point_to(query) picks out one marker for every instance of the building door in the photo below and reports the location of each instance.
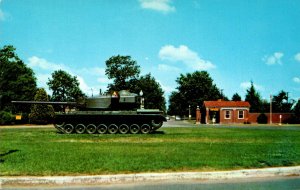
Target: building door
(214, 116)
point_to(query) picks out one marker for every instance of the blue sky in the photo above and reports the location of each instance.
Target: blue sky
(236, 41)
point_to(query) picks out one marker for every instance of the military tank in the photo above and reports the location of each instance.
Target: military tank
(120, 112)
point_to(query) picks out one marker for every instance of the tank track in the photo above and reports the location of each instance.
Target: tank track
(111, 128)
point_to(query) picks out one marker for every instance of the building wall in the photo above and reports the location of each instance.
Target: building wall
(275, 117)
(234, 116)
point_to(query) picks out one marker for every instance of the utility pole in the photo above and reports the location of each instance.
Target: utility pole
(271, 97)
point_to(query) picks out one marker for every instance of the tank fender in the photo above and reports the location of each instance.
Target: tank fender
(156, 124)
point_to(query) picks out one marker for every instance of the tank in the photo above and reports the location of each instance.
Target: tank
(119, 112)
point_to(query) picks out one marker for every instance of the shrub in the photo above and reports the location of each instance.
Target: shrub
(262, 118)
(5, 118)
(41, 114)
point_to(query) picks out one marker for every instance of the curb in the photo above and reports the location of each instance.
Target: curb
(149, 177)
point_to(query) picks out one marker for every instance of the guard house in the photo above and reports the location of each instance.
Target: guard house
(224, 112)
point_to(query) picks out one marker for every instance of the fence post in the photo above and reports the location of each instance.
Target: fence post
(198, 115)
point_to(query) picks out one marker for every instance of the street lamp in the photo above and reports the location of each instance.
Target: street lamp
(142, 99)
(190, 112)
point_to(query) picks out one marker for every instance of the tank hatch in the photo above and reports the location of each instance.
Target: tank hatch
(127, 97)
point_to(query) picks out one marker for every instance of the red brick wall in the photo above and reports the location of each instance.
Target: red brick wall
(234, 116)
(275, 117)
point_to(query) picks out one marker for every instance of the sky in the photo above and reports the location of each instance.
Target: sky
(235, 41)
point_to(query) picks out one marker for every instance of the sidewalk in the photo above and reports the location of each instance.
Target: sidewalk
(148, 177)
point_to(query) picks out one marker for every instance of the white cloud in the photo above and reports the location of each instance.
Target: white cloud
(247, 85)
(166, 89)
(42, 80)
(82, 84)
(43, 69)
(297, 57)
(95, 71)
(2, 15)
(88, 89)
(158, 5)
(35, 61)
(296, 79)
(273, 59)
(168, 68)
(185, 55)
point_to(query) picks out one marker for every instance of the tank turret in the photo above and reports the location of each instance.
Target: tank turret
(122, 100)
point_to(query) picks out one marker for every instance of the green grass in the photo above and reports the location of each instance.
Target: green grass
(46, 152)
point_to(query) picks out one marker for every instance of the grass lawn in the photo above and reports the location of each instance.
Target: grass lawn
(41, 151)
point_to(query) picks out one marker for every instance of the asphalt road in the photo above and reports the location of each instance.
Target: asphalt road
(186, 123)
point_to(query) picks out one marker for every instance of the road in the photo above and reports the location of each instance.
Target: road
(286, 183)
(186, 123)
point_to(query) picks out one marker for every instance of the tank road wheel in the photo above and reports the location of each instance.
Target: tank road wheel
(80, 128)
(156, 124)
(112, 128)
(60, 127)
(91, 128)
(134, 129)
(123, 129)
(145, 129)
(68, 128)
(102, 129)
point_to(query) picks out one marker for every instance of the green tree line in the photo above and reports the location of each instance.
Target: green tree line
(18, 82)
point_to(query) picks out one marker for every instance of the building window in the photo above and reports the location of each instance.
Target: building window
(241, 114)
(227, 114)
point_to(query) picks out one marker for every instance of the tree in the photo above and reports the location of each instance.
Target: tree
(193, 89)
(64, 87)
(152, 92)
(280, 103)
(17, 81)
(236, 97)
(123, 70)
(253, 97)
(41, 113)
(262, 118)
(295, 119)
(174, 107)
(296, 109)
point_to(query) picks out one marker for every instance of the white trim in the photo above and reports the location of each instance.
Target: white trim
(230, 113)
(234, 108)
(239, 114)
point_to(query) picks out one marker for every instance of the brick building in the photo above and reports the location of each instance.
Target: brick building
(223, 112)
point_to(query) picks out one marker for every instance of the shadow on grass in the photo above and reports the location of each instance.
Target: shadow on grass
(154, 132)
(7, 153)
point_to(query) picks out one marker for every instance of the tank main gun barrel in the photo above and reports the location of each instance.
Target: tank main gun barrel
(44, 102)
